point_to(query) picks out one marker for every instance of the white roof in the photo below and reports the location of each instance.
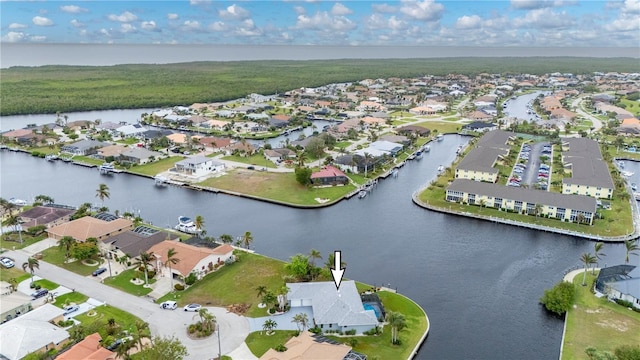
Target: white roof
(386, 145)
(371, 151)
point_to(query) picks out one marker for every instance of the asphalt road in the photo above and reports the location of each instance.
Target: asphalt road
(233, 328)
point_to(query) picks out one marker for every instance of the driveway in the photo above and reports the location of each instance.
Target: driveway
(233, 328)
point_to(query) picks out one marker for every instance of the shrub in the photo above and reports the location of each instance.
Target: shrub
(280, 348)
(559, 298)
(350, 332)
(353, 342)
(190, 279)
(178, 287)
(316, 330)
(151, 274)
(230, 260)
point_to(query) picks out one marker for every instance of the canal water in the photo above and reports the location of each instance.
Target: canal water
(478, 281)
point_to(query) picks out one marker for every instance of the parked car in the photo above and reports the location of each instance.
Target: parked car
(39, 293)
(6, 262)
(251, 167)
(70, 309)
(99, 271)
(192, 307)
(169, 305)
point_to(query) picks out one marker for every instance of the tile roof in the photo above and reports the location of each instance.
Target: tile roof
(189, 255)
(88, 349)
(305, 347)
(132, 243)
(328, 171)
(87, 227)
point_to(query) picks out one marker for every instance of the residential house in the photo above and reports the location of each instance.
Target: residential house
(198, 166)
(312, 347)
(422, 110)
(89, 227)
(479, 163)
(191, 258)
(620, 282)
(48, 215)
(389, 147)
(571, 208)
(88, 349)
(215, 124)
(332, 310)
(479, 126)
(131, 130)
(630, 126)
(139, 155)
(33, 332)
(177, 138)
(13, 303)
(413, 129)
(17, 134)
(589, 172)
(110, 152)
(79, 125)
(214, 143)
(329, 175)
(156, 133)
(399, 139)
(132, 243)
(479, 116)
(83, 147)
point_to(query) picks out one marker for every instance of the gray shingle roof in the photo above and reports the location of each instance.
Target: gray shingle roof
(490, 146)
(586, 162)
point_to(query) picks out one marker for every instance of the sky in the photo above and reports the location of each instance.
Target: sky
(529, 23)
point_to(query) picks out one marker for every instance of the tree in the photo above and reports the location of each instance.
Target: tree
(269, 325)
(43, 199)
(247, 239)
(559, 298)
(207, 319)
(14, 220)
(164, 348)
(269, 298)
(397, 322)
(31, 264)
(631, 247)
(301, 157)
(314, 255)
(282, 297)
(102, 192)
(66, 244)
(587, 259)
(141, 332)
(301, 320)
(144, 259)
(226, 238)
(171, 260)
(199, 223)
(261, 289)
(597, 248)
(303, 175)
(84, 250)
(298, 266)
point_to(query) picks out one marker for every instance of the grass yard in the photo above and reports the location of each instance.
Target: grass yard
(440, 127)
(12, 273)
(10, 241)
(125, 320)
(123, 282)
(281, 187)
(55, 256)
(44, 283)
(88, 160)
(598, 323)
(70, 298)
(156, 167)
(259, 342)
(256, 159)
(234, 284)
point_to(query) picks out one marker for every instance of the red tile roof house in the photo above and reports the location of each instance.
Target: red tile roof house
(88, 349)
(329, 176)
(191, 258)
(89, 227)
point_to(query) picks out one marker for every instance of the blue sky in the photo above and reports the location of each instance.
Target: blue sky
(529, 23)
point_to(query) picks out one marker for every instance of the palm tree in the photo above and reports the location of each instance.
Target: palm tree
(43, 199)
(587, 259)
(141, 332)
(313, 255)
(397, 322)
(226, 238)
(301, 157)
(367, 159)
(301, 320)
(537, 209)
(14, 220)
(597, 248)
(261, 289)
(269, 325)
(247, 239)
(268, 298)
(199, 223)
(171, 260)
(102, 192)
(31, 264)
(207, 319)
(145, 259)
(631, 248)
(66, 243)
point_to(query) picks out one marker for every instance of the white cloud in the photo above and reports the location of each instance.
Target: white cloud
(234, 12)
(42, 21)
(544, 19)
(13, 36)
(299, 10)
(218, 26)
(539, 4)
(468, 22)
(105, 32)
(624, 23)
(384, 8)
(148, 25)
(199, 2)
(248, 28)
(17, 26)
(127, 28)
(172, 16)
(73, 9)
(189, 25)
(631, 7)
(77, 23)
(38, 38)
(340, 10)
(323, 21)
(426, 10)
(125, 17)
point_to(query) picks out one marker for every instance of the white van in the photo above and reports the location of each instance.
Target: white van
(169, 305)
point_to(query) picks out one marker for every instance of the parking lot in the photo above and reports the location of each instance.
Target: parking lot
(530, 171)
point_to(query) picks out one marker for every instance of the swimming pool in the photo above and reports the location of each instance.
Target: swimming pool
(372, 306)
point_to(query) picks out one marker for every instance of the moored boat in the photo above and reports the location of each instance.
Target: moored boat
(427, 148)
(362, 194)
(419, 155)
(160, 181)
(18, 202)
(186, 225)
(106, 169)
(440, 137)
(440, 169)
(51, 157)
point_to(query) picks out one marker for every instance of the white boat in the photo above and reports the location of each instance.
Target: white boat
(634, 187)
(51, 157)
(186, 225)
(440, 137)
(427, 148)
(621, 164)
(440, 169)
(106, 169)
(17, 202)
(636, 196)
(160, 181)
(459, 150)
(626, 173)
(419, 155)
(362, 194)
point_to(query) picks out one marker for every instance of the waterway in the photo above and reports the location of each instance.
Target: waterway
(478, 281)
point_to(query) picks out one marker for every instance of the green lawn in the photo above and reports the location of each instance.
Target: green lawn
(598, 323)
(234, 284)
(44, 283)
(256, 159)
(123, 282)
(56, 257)
(156, 167)
(12, 273)
(72, 297)
(11, 240)
(631, 106)
(259, 342)
(125, 320)
(88, 160)
(440, 127)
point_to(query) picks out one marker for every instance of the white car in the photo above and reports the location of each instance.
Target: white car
(169, 305)
(192, 307)
(6, 262)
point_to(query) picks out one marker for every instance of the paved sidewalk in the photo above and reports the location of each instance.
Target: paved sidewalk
(40, 246)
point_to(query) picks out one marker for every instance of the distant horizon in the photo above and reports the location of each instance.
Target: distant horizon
(29, 54)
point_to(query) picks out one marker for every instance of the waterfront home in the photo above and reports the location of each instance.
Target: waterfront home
(17, 134)
(590, 173)
(620, 282)
(110, 151)
(13, 303)
(132, 243)
(399, 139)
(629, 126)
(389, 147)
(309, 346)
(33, 332)
(130, 130)
(215, 124)
(83, 147)
(479, 163)
(479, 116)
(212, 143)
(138, 155)
(243, 147)
(47, 215)
(413, 129)
(480, 126)
(573, 208)
(329, 175)
(88, 349)
(198, 166)
(332, 310)
(177, 138)
(199, 260)
(156, 133)
(89, 227)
